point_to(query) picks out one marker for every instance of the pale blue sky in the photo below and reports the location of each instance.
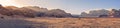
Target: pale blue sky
(70, 6)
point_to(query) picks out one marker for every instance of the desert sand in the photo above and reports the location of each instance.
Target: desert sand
(47, 22)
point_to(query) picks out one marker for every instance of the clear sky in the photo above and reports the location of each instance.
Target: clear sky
(70, 6)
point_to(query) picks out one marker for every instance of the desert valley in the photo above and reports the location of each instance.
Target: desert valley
(36, 17)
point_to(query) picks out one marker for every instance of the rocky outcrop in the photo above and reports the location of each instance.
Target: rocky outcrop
(11, 7)
(26, 12)
(11, 11)
(36, 8)
(44, 12)
(57, 13)
(39, 12)
(102, 13)
(5, 11)
(114, 13)
(95, 13)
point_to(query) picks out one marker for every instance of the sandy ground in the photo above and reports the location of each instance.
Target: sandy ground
(76, 22)
(42, 22)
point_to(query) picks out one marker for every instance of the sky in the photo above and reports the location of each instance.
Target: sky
(70, 6)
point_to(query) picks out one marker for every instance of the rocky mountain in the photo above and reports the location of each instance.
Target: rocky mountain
(36, 8)
(114, 13)
(95, 13)
(32, 11)
(57, 13)
(11, 7)
(5, 11)
(102, 13)
(44, 12)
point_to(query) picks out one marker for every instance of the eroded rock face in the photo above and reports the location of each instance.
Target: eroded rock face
(57, 13)
(44, 12)
(114, 13)
(32, 11)
(11, 7)
(36, 8)
(102, 13)
(39, 12)
(95, 13)
(11, 11)
(5, 11)
(26, 12)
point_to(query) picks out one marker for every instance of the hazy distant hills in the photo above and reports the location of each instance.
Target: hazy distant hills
(102, 13)
(95, 13)
(32, 11)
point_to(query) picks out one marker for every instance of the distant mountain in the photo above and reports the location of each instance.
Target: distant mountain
(36, 8)
(95, 13)
(102, 13)
(11, 7)
(57, 13)
(114, 13)
(44, 12)
(33, 11)
(5, 11)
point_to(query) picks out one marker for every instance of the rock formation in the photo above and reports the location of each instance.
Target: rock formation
(36, 8)
(114, 13)
(95, 13)
(5, 11)
(32, 11)
(57, 13)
